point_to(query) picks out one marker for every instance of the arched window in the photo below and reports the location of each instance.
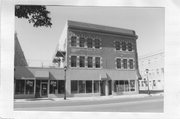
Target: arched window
(129, 46)
(97, 43)
(117, 45)
(81, 42)
(89, 43)
(123, 46)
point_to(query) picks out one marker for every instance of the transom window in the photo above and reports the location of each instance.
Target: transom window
(89, 43)
(73, 61)
(73, 40)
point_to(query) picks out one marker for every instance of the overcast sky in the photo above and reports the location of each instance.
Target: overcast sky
(40, 43)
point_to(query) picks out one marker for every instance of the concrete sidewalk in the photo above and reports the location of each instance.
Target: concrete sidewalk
(87, 98)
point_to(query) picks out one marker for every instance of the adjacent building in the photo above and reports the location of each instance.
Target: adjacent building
(155, 65)
(90, 60)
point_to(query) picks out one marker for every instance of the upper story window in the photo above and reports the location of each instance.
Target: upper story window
(118, 63)
(97, 62)
(73, 40)
(97, 43)
(81, 61)
(129, 46)
(73, 61)
(124, 46)
(89, 43)
(81, 42)
(125, 63)
(90, 62)
(131, 64)
(117, 45)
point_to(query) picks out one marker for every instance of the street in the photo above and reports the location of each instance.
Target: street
(142, 104)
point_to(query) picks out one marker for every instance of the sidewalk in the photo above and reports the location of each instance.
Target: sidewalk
(87, 98)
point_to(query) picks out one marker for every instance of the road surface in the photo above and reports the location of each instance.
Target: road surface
(143, 104)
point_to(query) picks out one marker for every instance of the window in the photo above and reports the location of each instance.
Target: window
(89, 43)
(82, 87)
(81, 42)
(73, 61)
(20, 84)
(118, 63)
(162, 70)
(157, 70)
(88, 86)
(97, 62)
(96, 86)
(115, 86)
(154, 83)
(131, 63)
(129, 47)
(125, 63)
(73, 41)
(82, 61)
(53, 87)
(74, 86)
(117, 45)
(29, 86)
(97, 43)
(90, 62)
(123, 46)
(126, 85)
(121, 86)
(132, 85)
(61, 87)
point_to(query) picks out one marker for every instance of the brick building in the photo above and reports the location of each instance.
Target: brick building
(99, 60)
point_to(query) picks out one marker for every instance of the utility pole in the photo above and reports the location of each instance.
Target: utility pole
(147, 70)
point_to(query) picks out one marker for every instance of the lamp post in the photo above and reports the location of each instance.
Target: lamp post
(147, 70)
(65, 69)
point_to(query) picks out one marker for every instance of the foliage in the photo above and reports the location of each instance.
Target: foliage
(36, 14)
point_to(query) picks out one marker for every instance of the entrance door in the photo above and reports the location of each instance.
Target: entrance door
(44, 89)
(103, 84)
(110, 87)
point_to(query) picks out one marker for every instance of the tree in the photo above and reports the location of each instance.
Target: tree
(36, 14)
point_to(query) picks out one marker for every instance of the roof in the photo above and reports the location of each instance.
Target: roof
(101, 28)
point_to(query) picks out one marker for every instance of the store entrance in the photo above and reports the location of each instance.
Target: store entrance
(44, 89)
(106, 88)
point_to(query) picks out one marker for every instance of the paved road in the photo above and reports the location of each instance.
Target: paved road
(145, 104)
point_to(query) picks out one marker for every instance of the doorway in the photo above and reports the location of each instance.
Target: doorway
(44, 89)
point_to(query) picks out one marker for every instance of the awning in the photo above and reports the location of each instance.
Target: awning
(42, 74)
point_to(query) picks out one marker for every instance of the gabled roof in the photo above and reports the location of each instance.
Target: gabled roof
(100, 28)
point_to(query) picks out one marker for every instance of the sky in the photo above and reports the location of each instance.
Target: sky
(39, 43)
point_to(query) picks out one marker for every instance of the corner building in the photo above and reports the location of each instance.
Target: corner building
(100, 60)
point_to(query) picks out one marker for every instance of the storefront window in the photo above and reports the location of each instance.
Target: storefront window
(82, 87)
(115, 86)
(74, 86)
(29, 86)
(121, 86)
(126, 85)
(53, 87)
(81, 42)
(61, 87)
(132, 85)
(88, 86)
(20, 87)
(96, 86)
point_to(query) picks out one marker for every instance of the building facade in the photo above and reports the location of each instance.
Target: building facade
(90, 60)
(155, 65)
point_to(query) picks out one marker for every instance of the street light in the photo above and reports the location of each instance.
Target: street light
(147, 70)
(65, 69)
